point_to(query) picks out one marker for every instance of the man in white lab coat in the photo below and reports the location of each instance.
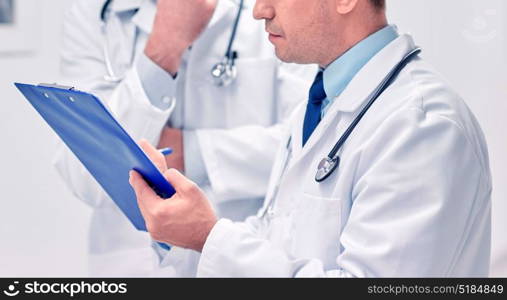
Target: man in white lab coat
(151, 62)
(411, 195)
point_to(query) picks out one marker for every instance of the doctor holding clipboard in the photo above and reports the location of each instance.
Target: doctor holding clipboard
(384, 172)
(116, 49)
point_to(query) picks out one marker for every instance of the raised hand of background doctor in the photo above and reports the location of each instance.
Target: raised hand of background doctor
(184, 220)
(177, 25)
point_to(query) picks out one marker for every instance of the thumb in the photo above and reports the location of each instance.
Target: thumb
(181, 184)
(146, 197)
(154, 155)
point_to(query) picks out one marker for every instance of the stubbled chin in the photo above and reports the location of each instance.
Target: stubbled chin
(282, 55)
(288, 57)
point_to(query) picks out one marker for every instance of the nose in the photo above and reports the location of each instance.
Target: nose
(263, 10)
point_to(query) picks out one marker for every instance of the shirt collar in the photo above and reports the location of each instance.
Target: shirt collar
(340, 72)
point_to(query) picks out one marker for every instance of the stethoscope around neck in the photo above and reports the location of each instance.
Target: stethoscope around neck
(111, 75)
(223, 73)
(329, 164)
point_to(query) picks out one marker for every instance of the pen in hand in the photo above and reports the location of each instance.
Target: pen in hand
(166, 151)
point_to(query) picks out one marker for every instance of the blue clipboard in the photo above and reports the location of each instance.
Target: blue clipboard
(99, 142)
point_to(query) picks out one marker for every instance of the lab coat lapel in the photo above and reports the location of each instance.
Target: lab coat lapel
(145, 16)
(355, 95)
(297, 133)
(125, 5)
(224, 7)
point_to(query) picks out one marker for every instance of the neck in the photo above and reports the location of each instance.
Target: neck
(351, 36)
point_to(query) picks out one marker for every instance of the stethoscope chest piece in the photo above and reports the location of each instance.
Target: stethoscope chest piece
(329, 164)
(326, 167)
(223, 73)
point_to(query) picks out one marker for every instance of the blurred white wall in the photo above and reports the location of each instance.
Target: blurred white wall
(467, 42)
(43, 229)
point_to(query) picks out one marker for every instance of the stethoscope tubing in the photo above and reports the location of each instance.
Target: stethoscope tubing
(375, 95)
(229, 56)
(331, 163)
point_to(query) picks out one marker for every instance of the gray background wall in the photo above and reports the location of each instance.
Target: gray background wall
(43, 228)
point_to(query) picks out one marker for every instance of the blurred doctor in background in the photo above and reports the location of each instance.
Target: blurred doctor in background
(196, 75)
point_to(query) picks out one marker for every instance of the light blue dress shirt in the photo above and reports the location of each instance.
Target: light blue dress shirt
(340, 72)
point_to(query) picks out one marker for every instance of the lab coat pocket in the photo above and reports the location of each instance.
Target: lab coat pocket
(316, 227)
(253, 95)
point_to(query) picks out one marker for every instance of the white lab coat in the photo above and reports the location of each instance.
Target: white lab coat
(410, 198)
(237, 127)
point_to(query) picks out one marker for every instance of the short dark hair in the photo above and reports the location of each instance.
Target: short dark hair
(378, 4)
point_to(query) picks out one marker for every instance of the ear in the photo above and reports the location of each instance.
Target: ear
(344, 7)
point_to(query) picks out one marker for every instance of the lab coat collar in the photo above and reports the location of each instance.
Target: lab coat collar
(369, 77)
(341, 71)
(145, 15)
(361, 87)
(126, 5)
(225, 7)
(148, 8)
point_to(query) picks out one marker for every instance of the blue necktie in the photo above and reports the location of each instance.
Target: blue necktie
(314, 107)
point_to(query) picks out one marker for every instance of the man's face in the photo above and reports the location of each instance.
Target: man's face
(299, 29)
